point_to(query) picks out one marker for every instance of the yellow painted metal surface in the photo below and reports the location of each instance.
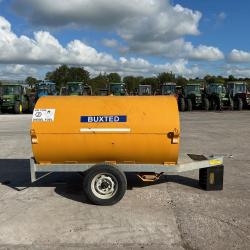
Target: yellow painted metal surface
(149, 135)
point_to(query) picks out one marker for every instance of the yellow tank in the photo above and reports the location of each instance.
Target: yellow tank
(117, 129)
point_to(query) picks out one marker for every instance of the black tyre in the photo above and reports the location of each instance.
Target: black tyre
(219, 106)
(189, 105)
(104, 185)
(31, 106)
(231, 104)
(181, 104)
(18, 108)
(206, 104)
(240, 104)
(214, 105)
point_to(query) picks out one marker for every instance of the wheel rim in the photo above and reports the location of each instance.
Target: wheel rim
(104, 186)
(20, 108)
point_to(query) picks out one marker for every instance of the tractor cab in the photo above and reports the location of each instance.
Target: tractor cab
(238, 92)
(216, 88)
(236, 88)
(145, 90)
(87, 90)
(74, 88)
(168, 88)
(219, 97)
(117, 89)
(45, 88)
(192, 89)
(14, 98)
(194, 97)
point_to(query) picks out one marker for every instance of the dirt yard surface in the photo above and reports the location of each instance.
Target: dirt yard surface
(171, 214)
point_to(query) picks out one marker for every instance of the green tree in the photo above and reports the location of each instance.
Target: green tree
(114, 77)
(153, 81)
(231, 78)
(220, 79)
(65, 74)
(99, 82)
(166, 77)
(31, 81)
(60, 76)
(132, 83)
(181, 81)
(210, 79)
(77, 74)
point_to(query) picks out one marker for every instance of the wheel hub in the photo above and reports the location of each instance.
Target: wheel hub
(104, 186)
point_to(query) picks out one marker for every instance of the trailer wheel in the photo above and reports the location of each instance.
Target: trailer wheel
(240, 104)
(104, 185)
(206, 104)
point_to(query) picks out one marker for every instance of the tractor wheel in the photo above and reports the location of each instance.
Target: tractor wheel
(240, 104)
(31, 106)
(18, 108)
(215, 105)
(206, 104)
(219, 105)
(231, 104)
(104, 185)
(181, 104)
(189, 105)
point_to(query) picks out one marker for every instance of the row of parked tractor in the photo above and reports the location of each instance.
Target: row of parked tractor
(214, 96)
(21, 98)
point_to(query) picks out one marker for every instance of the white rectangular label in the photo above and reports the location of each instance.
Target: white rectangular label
(105, 130)
(43, 115)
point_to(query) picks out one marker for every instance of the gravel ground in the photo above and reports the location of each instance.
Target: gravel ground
(171, 214)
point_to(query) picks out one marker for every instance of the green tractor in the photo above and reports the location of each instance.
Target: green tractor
(170, 88)
(113, 88)
(194, 98)
(240, 95)
(76, 88)
(218, 97)
(15, 98)
(117, 89)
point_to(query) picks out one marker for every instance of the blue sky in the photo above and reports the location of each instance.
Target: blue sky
(223, 23)
(137, 37)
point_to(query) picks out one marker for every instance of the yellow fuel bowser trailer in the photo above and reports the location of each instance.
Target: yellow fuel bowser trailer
(107, 136)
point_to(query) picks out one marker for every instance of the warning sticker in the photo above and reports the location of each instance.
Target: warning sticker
(43, 115)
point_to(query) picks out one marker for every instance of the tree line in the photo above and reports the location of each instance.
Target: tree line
(64, 74)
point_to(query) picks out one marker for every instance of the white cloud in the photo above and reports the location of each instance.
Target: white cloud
(110, 43)
(180, 67)
(16, 72)
(46, 49)
(236, 70)
(239, 56)
(23, 56)
(147, 26)
(222, 16)
(179, 48)
(205, 52)
(141, 67)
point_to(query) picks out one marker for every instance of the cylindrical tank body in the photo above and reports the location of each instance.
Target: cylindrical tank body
(93, 129)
